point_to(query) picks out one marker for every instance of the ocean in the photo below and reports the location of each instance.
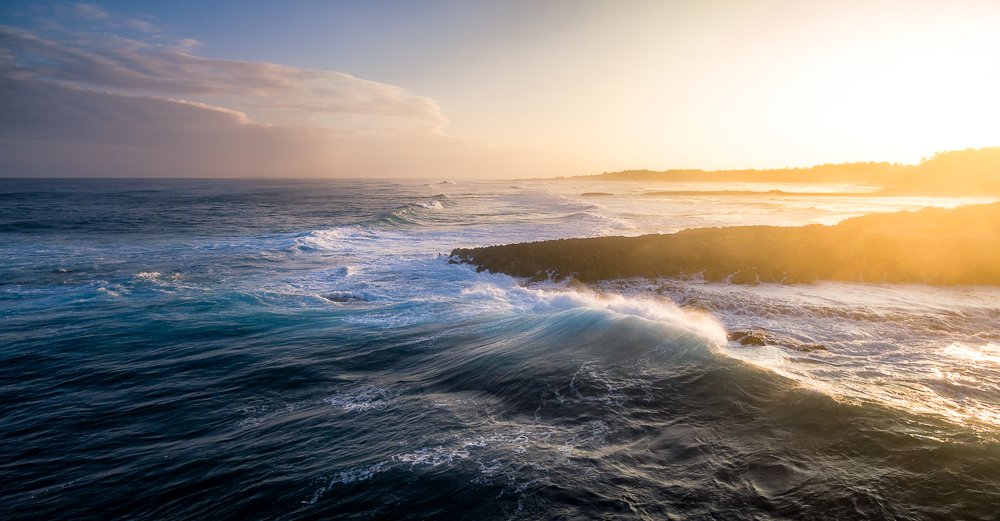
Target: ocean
(240, 349)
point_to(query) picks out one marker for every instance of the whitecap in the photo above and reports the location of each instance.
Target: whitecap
(985, 353)
(327, 239)
(117, 292)
(366, 398)
(554, 298)
(430, 205)
(432, 456)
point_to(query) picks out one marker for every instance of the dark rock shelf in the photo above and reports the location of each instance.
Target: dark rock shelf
(931, 246)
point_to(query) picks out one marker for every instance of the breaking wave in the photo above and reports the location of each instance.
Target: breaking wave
(304, 350)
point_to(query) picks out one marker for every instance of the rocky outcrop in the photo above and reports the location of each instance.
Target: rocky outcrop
(931, 246)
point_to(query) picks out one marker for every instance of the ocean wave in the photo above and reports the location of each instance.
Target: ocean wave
(157, 277)
(868, 305)
(529, 300)
(112, 290)
(327, 357)
(935, 356)
(980, 354)
(366, 398)
(408, 215)
(329, 238)
(429, 205)
(515, 456)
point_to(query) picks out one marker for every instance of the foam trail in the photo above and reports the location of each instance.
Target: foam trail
(526, 300)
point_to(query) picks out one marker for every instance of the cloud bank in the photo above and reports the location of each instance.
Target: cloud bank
(78, 103)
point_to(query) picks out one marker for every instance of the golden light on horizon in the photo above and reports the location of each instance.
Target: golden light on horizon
(862, 84)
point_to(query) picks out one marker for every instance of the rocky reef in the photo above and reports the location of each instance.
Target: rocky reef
(930, 246)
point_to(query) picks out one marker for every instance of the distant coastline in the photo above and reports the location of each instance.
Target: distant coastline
(970, 171)
(773, 193)
(932, 246)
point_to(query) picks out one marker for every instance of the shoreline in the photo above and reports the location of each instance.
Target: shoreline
(932, 246)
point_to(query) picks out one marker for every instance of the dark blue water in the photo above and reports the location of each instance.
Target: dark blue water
(303, 350)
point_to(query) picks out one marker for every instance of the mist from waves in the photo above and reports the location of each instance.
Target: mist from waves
(303, 350)
(918, 349)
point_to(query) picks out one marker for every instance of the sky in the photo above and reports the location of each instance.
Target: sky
(443, 89)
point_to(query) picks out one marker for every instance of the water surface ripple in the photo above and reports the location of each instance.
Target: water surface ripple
(303, 350)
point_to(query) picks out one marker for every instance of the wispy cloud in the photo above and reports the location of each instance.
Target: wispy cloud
(97, 103)
(282, 92)
(90, 12)
(99, 16)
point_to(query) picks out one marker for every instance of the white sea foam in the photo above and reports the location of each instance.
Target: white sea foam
(348, 476)
(116, 292)
(890, 345)
(157, 277)
(534, 300)
(829, 337)
(366, 398)
(330, 238)
(433, 456)
(430, 205)
(985, 353)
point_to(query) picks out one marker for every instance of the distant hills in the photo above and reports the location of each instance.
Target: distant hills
(959, 172)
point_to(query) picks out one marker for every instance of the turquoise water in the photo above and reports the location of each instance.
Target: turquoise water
(303, 350)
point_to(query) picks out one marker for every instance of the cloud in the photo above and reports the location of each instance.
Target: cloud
(140, 25)
(50, 129)
(276, 92)
(59, 131)
(90, 12)
(96, 15)
(84, 104)
(104, 106)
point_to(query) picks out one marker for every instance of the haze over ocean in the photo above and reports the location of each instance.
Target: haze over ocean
(191, 349)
